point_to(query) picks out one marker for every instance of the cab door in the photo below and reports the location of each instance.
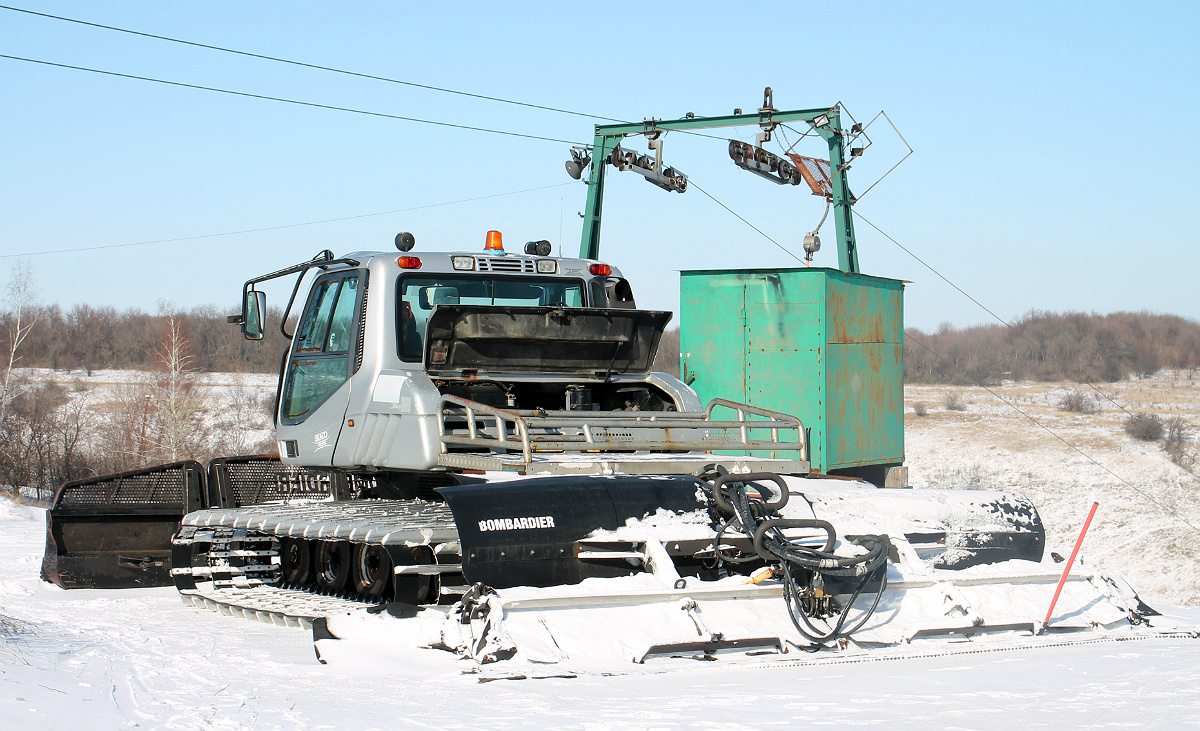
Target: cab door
(324, 355)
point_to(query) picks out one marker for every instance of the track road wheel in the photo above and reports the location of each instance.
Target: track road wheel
(333, 565)
(295, 561)
(372, 570)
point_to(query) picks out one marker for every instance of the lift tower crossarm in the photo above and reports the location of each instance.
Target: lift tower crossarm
(825, 121)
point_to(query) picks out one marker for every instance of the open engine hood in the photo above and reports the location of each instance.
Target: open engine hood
(582, 341)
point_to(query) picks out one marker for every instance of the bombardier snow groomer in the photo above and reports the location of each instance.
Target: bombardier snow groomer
(480, 435)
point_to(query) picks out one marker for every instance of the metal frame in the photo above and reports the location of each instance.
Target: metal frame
(539, 431)
(825, 121)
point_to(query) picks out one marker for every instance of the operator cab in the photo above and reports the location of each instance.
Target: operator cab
(381, 307)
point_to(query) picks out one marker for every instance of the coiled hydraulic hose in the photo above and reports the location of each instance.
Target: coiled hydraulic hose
(758, 519)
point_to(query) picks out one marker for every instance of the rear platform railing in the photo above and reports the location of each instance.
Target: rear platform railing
(464, 423)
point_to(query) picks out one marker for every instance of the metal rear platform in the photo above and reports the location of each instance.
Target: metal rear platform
(475, 436)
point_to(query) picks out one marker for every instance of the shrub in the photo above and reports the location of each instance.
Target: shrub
(954, 402)
(1175, 433)
(919, 409)
(1144, 427)
(1077, 401)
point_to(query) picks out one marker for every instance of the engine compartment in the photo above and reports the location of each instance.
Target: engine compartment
(560, 395)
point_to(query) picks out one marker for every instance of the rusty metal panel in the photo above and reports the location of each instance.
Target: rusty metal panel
(712, 336)
(784, 358)
(820, 344)
(865, 418)
(862, 312)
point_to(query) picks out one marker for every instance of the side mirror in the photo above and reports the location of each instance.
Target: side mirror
(254, 308)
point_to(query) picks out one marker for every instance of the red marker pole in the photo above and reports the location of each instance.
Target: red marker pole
(1070, 563)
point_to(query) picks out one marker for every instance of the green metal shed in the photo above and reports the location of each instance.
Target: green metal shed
(821, 344)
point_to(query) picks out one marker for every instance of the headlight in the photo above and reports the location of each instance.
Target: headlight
(464, 262)
(547, 266)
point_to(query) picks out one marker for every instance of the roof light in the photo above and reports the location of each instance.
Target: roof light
(463, 262)
(547, 266)
(600, 270)
(538, 248)
(409, 262)
(494, 242)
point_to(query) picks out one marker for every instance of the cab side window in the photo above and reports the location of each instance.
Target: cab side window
(320, 361)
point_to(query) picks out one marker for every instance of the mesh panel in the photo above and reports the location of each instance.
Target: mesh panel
(362, 328)
(159, 486)
(427, 483)
(256, 480)
(259, 480)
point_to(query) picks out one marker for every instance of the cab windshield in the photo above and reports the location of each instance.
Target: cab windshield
(417, 296)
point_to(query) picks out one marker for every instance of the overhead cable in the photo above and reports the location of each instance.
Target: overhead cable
(282, 226)
(292, 101)
(1054, 434)
(1041, 349)
(692, 182)
(303, 64)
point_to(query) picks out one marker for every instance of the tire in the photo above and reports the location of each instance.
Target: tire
(295, 561)
(372, 570)
(332, 566)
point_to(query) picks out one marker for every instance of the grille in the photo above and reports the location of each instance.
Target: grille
(428, 482)
(362, 329)
(166, 485)
(498, 264)
(256, 480)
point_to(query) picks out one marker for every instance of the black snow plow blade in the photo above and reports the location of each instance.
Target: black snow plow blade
(561, 530)
(525, 532)
(114, 531)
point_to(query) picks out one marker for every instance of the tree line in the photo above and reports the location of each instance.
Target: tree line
(1041, 346)
(90, 338)
(1047, 346)
(55, 428)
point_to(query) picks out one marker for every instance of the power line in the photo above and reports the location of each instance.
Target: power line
(1054, 434)
(331, 69)
(1002, 321)
(291, 101)
(693, 184)
(282, 226)
(303, 64)
(989, 390)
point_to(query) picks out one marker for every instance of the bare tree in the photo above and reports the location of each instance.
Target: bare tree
(177, 391)
(25, 313)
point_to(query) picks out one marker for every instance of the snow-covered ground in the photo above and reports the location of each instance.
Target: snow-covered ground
(1146, 527)
(140, 658)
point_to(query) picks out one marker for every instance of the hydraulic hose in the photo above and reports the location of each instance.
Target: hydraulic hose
(803, 567)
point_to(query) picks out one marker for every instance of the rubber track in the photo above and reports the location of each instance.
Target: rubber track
(369, 521)
(381, 522)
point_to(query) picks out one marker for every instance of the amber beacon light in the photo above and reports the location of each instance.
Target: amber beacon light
(494, 242)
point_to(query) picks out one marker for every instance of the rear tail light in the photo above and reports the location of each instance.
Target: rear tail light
(409, 262)
(600, 270)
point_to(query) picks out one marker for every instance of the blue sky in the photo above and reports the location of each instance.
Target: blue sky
(1055, 165)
